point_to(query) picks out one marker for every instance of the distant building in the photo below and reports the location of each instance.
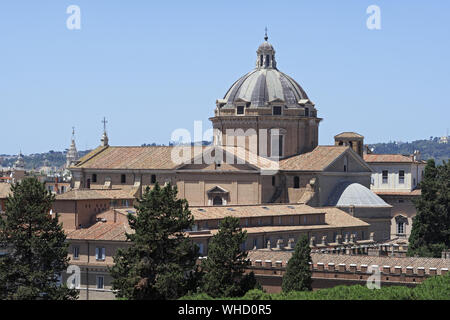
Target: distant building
(396, 180)
(72, 153)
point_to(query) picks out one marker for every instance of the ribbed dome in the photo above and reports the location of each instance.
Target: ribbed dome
(348, 194)
(263, 85)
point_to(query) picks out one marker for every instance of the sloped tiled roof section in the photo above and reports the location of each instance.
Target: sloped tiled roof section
(160, 157)
(348, 135)
(317, 160)
(129, 158)
(391, 158)
(98, 194)
(102, 231)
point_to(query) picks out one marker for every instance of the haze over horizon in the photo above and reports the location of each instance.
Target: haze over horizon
(150, 69)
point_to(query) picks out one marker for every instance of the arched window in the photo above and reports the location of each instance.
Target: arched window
(217, 201)
(296, 182)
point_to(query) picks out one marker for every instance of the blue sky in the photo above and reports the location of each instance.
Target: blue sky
(152, 67)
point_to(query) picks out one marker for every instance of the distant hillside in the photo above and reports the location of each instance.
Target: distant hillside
(428, 148)
(34, 161)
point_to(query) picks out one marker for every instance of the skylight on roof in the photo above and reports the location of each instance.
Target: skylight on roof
(201, 210)
(231, 209)
(291, 207)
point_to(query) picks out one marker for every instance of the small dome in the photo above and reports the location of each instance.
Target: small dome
(265, 46)
(347, 194)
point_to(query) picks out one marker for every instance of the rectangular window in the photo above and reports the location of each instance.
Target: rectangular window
(76, 253)
(153, 179)
(99, 253)
(306, 112)
(400, 228)
(296, 182)
(240, 110)
(401, 177)
(276, 111)
(385, 176)
(280, 145)
(200, 248)
(123, 178)
(94, 178)
(273, 180)
(255, 243)
(100, 282)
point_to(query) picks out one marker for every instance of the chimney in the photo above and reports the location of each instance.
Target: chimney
(324, 240)
(291, 243)
(416, 155)
(280, 244)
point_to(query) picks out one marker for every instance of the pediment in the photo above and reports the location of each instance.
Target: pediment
(217, 189)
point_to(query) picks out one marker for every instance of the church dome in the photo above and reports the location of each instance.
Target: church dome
(347, 194)
(265, 84)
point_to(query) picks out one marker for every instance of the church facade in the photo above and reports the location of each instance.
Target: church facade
(265, 151)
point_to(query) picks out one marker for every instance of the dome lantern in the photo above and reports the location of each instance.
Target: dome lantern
(265, 55)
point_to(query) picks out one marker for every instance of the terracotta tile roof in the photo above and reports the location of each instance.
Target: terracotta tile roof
(97, 194)
(5, 190)
(241, 211)
(334, 217)
(106, 231)
(317, 160)
(348, 135)
(372, 158)
(284, 255)
(129, 158)
(416, 192)
(159, 157)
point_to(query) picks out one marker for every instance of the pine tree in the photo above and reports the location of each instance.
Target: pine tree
(35, 246)
(226, 262)
(298, 272)
(161, 261)
(430, 233)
